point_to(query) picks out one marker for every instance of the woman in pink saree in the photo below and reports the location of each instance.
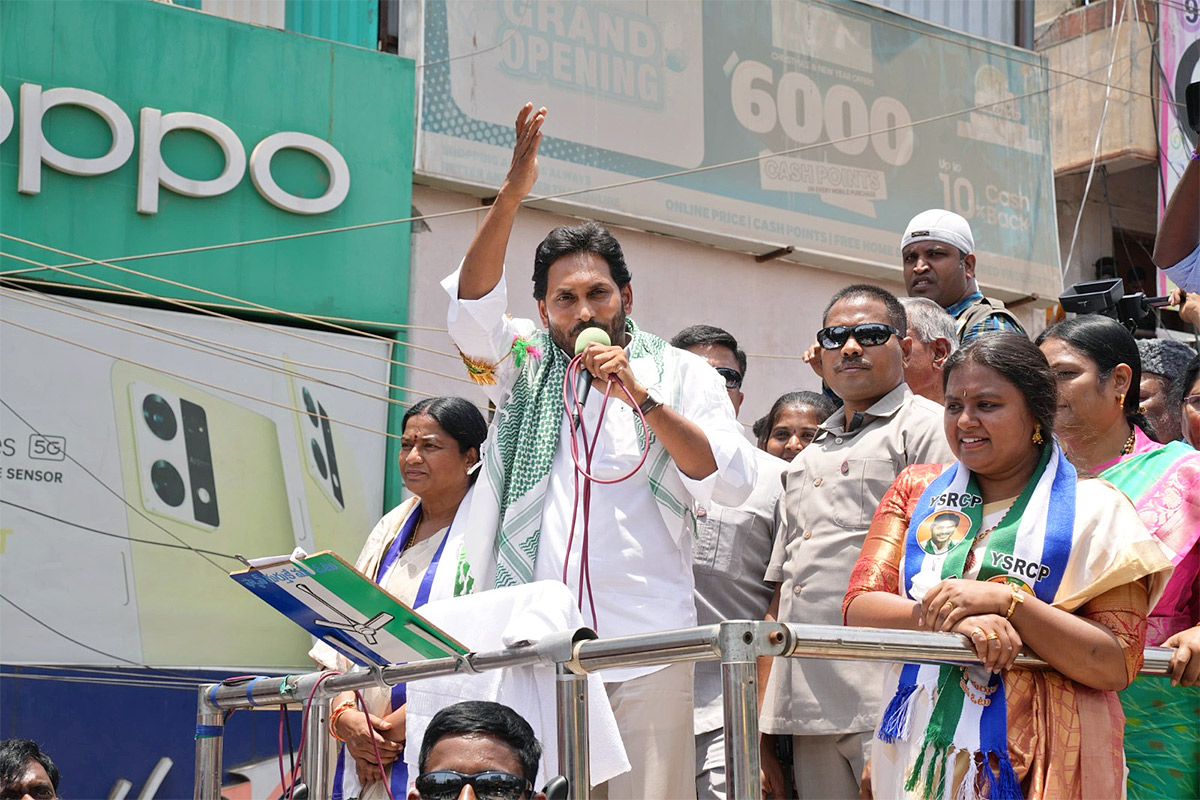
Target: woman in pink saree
(1098, 369)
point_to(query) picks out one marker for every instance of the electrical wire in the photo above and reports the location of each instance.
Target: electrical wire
(304, 728)
(516, 29)
(214, 348)
(573, 407)
(568, 193)
(203, 309)
(109, 489)
(246, 304)
(129, 684)
(198, 381)
(287, 721)
(385, 779)
(143, 676)
(109, 534)
(70, 639)
(14, 277)
(282, 780)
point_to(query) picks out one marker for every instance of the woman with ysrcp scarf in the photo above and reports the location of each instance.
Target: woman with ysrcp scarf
(1039, 559)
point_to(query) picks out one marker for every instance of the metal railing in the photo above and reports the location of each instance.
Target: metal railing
(737, 644)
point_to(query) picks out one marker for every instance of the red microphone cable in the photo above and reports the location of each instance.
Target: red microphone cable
(584, 469)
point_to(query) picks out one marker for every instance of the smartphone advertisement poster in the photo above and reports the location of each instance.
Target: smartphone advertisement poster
(140, 450)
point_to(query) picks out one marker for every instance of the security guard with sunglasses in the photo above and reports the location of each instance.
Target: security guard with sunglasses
(831, 490)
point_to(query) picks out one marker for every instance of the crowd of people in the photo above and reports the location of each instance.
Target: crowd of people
(951, 476)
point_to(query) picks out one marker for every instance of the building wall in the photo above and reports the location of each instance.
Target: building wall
(1082, 43)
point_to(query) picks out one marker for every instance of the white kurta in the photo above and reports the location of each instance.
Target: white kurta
(640, 559)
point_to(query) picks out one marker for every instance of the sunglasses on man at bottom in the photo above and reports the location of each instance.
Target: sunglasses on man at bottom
(870, 334)
(448, 785)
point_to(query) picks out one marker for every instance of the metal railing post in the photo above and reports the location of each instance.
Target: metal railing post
(740, 644)
(210, 727)
(571, 695)
(573, 755)
(315, 758)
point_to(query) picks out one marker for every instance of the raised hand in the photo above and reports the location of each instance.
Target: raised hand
(484, 263)
(523, 172)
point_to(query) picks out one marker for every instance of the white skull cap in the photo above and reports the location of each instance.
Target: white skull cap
(939, 225)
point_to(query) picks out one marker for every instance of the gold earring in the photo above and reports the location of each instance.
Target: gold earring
(1121, 400)
(1037, 433)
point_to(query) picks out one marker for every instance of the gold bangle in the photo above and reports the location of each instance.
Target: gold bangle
(1018, 598)
(337, 712)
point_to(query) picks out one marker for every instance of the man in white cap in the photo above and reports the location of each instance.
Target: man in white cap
(939, 263)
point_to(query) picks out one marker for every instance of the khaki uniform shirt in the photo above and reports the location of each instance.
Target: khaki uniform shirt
(831, 491)
(733, 547)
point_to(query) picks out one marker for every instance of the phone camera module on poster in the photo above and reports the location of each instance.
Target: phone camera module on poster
(160, 419)
(168, 484)
(310, 407)
(319, 458)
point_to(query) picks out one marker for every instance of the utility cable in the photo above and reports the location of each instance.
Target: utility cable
(70, 639)
(111, 535)
(217, 349)
(203, 309)
(198, 381)
(567, 193)
(108, 488)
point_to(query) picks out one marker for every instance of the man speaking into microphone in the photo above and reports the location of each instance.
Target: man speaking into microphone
(624, 548)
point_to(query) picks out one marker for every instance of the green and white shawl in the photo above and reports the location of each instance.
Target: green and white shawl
(500, 544)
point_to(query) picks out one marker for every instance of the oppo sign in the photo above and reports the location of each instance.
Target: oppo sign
(153, 172)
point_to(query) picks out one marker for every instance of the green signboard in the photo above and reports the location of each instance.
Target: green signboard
(133, 128)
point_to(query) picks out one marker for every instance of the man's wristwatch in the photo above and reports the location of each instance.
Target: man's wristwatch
(651, 402)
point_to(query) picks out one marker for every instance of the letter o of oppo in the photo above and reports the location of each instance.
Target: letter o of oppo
(335, 165)
(6, 116)
(35, 148)
(153, 171)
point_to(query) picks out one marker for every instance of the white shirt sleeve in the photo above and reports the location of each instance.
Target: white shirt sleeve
(1186, 274)
(484, 333)
(705, 402)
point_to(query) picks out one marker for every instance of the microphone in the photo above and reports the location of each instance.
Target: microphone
(583, 381)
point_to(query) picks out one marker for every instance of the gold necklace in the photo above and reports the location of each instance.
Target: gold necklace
(413, 539)
(1128, 448)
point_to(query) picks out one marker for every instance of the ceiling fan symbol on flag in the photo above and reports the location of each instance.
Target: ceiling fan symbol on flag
(368, 629)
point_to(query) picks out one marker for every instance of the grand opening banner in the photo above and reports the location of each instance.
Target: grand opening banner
(813, 124)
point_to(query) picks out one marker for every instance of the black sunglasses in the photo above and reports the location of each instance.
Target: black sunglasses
(869, 334)
(733, 378)
(447, 784)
